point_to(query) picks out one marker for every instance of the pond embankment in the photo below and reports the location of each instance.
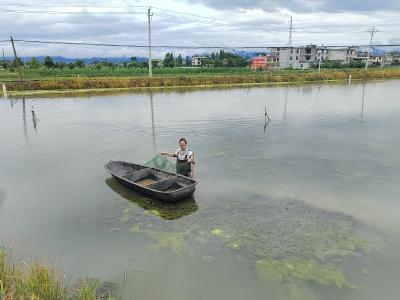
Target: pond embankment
(115, 84)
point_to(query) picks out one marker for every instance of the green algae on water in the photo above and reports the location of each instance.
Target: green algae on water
(293, 243)
(171, 241)
(287, 270)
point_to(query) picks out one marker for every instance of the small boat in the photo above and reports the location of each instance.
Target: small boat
(162, 185)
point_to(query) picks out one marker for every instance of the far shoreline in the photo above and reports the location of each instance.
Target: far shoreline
(133, 90)
(87, 86)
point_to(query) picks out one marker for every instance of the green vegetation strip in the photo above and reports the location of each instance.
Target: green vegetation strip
(93, 83)
(38, 281)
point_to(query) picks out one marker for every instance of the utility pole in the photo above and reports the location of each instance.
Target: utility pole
(290, 40)
(371, 32)
(16, 59)
(149, 15)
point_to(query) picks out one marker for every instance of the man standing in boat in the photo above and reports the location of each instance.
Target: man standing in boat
(184, 159)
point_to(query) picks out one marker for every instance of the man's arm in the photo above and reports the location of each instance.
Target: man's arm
(168, 154)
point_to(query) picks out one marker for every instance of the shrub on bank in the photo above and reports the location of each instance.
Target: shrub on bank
(37, 281)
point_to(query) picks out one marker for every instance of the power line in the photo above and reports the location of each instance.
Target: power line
(53, 12)
(63, 6)
(185, 19)
(126, 6)
(180, 46)
(189, 14)
(49, 12)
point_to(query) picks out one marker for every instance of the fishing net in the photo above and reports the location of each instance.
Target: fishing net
(161, 162)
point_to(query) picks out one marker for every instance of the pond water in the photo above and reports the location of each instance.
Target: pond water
(306, 206)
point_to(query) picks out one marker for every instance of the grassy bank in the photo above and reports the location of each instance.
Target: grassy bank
(94, 83)
(37, 281)
(90, 71)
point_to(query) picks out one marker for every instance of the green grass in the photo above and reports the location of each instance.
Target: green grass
(41, 80)
(91, 71)
(39, 281)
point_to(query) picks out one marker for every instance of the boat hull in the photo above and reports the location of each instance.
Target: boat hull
(164, 186)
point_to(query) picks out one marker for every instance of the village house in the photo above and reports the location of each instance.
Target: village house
(197, 61)
(295, 57)
(264, 61)
(343, 55)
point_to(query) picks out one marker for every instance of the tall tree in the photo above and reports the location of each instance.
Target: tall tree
(179, 61)
(169, 60)
(14, 63)
(80, 63)
(48, 62)
(4, 64)
(34, 63)
(188, 61)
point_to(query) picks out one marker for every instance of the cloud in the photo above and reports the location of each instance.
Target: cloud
(305, 5)
(237, 23)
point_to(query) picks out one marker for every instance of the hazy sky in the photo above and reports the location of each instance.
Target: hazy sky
(230, 23)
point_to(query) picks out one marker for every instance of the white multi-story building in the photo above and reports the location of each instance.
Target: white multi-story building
(295, 57)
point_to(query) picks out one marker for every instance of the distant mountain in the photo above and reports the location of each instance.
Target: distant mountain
(249, 54)
(376, 50)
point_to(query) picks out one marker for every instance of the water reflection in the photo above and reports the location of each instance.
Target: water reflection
(286, 99)
(152, 122)
(267, 120)
(35, 120)
(24, 119)
(362, 101)
(12, 103)
(168, 211)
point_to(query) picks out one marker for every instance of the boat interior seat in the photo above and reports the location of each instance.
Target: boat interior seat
(164, 184)
(137, 175)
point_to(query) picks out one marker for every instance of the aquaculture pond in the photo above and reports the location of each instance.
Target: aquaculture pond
(304, 206)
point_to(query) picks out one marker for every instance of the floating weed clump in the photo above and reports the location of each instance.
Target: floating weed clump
(345, 244)
(172, 241)
(292, 242)
(286, 270)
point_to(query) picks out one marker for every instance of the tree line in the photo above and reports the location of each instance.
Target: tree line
(215, 59)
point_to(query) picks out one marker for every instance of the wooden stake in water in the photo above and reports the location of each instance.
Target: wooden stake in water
(4, 90)
(350, 79)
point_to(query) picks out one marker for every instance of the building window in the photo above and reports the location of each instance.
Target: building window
(297, 58)
(291, 58)
(297, 51)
